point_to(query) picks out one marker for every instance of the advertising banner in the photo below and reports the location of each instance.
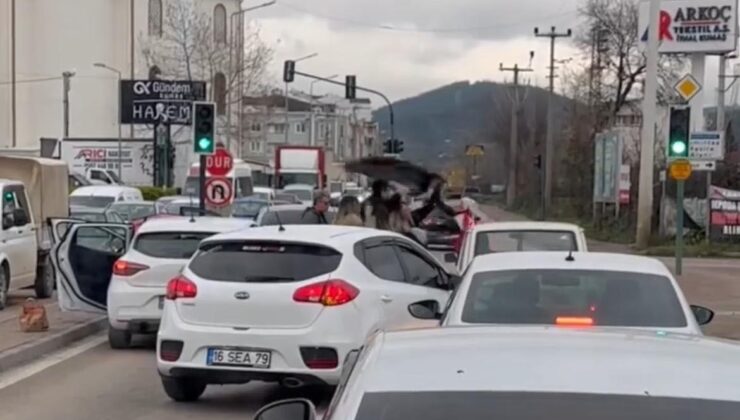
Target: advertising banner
(725, 217)
(137, 157)
(159, 101)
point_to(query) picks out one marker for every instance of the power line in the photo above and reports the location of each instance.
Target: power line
(388, 27)
(18, 82)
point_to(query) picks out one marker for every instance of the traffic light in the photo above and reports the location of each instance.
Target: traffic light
(204, 127)
(289, 71)
(388, 146)
(350, 87)
(397, 146)
(678, 133)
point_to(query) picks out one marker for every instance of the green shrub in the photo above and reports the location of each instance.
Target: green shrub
(155, 193)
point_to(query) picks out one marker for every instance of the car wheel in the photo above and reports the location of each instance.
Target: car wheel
(183, 389)
(44, 285)
(119, 339)
(4, 286)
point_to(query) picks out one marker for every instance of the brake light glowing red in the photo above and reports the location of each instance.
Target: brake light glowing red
(181, 287)
(574, 321)
(126, 268)
(327, 293)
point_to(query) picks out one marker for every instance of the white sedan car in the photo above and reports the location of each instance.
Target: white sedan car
(539, 373)
(159, 250)
(288, 304)
(488, 238)
(562, 288)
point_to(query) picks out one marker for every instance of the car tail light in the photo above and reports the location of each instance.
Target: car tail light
(170, 350)
(574, 321)
(320, 357)
(127, 268)
(181, 287)
(327, 293)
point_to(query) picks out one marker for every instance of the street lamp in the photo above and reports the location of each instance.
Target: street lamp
(313, 124)
(287, 103)
(120, 145)
(239, 14)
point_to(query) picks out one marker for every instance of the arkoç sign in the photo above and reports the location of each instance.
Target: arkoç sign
(687, 26)
(159, 101)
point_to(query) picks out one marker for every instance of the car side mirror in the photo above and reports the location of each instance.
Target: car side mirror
(703, 315)
(20, 217)
(294, 409)
(427, 310)
(8, 221)
(451, 258)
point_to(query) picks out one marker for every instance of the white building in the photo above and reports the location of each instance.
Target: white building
(56, 36)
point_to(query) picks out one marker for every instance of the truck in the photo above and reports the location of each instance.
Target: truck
(303, 165)
(33, 190)
(97, 159)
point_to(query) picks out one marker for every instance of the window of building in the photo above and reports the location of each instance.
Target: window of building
(155, 17)
(341, 130)
(219, 23)
(219, 92)
(300, 127)
(276, 128)
(154, 73)
(255, 126)
(255, 146)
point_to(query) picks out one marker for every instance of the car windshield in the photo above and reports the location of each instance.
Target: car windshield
(289, 217)
(131, 212)
(604, 298)
(488, 405)
(290, 198)
(175, 245)
(304, 195)
(90, 201)
(88, 216)
(248, 208)
(524, 240)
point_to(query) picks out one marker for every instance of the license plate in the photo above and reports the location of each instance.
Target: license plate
(241, 358)
(160, 304)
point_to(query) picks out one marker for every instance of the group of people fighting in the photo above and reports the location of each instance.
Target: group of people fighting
(385, 209)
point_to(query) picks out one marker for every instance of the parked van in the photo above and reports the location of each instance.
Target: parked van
(103, 195)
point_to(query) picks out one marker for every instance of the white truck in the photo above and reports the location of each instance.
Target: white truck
(33, 190)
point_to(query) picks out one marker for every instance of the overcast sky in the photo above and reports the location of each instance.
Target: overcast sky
(406, 47)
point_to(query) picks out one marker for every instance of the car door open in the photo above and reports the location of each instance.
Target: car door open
(83, 261)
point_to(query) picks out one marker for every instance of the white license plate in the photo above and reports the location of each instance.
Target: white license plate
(242, 358)
(160, 304)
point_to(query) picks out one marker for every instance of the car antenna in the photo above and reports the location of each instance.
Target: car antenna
(192, 213)
(570, 257)
(281, 228)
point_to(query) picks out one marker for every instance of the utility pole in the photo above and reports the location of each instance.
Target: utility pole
(66, 76)
(13, 111)
(511, 181)
(647, 146)
(721, 128)
(553, 35)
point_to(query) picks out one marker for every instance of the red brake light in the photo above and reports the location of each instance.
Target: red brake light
(328, 293)
(126, 268)
(574, 321)
(181, 287)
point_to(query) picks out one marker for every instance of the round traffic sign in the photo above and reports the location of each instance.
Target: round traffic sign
(680, 170)
(219, 192)
(220, 163)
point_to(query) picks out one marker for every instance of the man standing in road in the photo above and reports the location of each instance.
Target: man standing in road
(316, 215)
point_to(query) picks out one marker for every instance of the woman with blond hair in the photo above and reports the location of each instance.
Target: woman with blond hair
(350, 212)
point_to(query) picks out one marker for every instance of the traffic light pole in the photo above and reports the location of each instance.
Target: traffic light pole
(202, 184)
(375, 92)
(679, 226)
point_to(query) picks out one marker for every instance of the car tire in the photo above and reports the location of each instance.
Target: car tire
(119, 339)
(4, 285)
(183, 389)
(45, 281)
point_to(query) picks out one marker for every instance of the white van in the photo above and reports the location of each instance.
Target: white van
(242, 174)
(103, 195)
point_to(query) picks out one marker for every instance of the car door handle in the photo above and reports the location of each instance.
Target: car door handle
(386, 299)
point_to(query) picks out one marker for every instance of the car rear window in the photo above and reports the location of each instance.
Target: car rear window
(289, 217)
(524, 240)
(176, 245)
(489, 405)
(608, 298)
(264, 262)
(87, 201)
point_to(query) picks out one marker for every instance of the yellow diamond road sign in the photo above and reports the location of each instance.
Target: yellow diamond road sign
(687, 87)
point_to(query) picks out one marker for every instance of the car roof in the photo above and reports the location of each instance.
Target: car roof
(102, 190)
(506, 226)
(557, 260)
(553, 359)
(286, 207)
(132, 203)
(298, 187)
(332, 235)
(196, 224)
(87, 209)
(263, 189)
(251, 199)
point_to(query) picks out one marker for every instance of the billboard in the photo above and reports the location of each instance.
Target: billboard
(137, 157)
(725, 214)
(693, 26)
(607, 167)
(159, 101)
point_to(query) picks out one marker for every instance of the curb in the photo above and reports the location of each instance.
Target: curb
(28, 352)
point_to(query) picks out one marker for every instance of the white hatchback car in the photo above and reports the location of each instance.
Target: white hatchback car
(561, 288)
(159, 250)
(532, 373)
(287, 304)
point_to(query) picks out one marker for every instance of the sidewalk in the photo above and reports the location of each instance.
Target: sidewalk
(17, 348)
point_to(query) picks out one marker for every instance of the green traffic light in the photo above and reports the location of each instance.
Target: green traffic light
(204, 143)
(678, 148)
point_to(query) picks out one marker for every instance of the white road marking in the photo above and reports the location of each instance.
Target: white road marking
(20, 373)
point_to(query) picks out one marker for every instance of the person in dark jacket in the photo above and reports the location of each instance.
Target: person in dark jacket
(316, 215)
